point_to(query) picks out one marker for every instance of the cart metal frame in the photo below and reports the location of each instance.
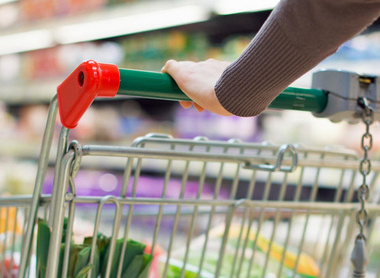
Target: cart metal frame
(244, 165)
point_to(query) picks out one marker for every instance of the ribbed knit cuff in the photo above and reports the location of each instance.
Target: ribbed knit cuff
(269, 64)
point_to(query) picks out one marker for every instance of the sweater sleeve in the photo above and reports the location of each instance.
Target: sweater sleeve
(297, 35)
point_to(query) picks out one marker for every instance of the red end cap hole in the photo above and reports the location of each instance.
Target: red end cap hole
(81, 78)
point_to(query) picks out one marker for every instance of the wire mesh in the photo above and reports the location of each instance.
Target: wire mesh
(210, 209)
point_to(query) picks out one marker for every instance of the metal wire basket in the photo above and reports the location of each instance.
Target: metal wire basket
(201, 208)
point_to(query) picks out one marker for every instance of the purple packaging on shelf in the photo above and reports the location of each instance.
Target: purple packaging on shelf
(95, 183)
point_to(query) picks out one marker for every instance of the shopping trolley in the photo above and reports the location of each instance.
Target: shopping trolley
(211, 208)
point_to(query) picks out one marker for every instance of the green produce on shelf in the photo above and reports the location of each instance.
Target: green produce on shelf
(151, 51)
(176, 267)
(237, 259)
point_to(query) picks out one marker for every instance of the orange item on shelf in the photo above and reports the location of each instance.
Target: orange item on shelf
(8, 220)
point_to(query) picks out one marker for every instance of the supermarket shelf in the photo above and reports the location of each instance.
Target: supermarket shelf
(26, 93)
(105, 23)
(120, 20)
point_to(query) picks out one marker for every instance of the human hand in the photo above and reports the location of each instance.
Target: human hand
(197, 80)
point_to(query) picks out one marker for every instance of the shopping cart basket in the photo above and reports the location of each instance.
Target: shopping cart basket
(211, 209)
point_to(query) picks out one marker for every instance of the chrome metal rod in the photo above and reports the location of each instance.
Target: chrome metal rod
(61, 150)
(40, 177)
(116, 151)
(56, 234)
(285, 205)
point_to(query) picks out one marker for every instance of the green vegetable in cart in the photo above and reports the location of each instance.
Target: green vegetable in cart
(43, 240)
(139, 267)
(101, 244)
(132, 250)
(78, 258)
(79, 265)
(136, 264)
(145, 269)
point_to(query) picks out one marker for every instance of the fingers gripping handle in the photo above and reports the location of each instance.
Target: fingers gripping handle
(88, 81)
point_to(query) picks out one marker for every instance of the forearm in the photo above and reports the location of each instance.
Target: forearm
(295, 38)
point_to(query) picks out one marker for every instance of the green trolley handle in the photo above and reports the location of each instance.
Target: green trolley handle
(91, 79)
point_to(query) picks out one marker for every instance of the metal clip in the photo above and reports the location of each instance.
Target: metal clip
(77, 148)
(278, 166)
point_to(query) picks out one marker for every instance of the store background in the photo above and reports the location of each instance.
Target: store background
(42, 41)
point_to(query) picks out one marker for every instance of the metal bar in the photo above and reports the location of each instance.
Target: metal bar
(286, 205)
(270, 245)
(62, 148)
(260, 221)
(123, 193)
(218, 185)
(24, 226)
(69, 229)
(22, 201)
(177, 214)
(116, 151)
(211, 215)
(242, 225)
(227, 226)
(164, 139)
(56, 234)
(249, 196)
(290, 223)
(40, 176)
(115, 230)
(46, 211)
(328, 253)
(126, 177)
(232, 197)
(131, 206)
(212, 209)
(98, 214)
(160, 210)
(201, 183)
(373, 215)
(338, 229)
(277, 217)
(13, 240)
(261, 215)
(251, 220)
(5, 239)
(311, 199)
(161, 86)
(335, 248)
(248, 212)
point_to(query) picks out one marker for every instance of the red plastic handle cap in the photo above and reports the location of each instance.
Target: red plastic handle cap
(88, 81)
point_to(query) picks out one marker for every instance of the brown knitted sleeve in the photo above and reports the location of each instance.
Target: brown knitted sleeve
(295, 38)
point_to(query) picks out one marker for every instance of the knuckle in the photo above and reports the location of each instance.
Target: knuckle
(170, 63)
